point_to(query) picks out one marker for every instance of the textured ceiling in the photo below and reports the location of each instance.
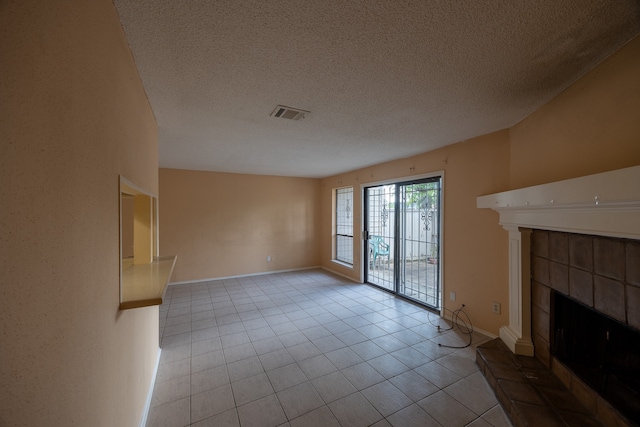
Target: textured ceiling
(383, 79)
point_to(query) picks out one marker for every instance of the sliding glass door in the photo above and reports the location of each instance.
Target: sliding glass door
(380, 229)
(419, 241)
(403, 231)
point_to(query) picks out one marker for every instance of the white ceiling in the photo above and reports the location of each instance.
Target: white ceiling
(383, 79)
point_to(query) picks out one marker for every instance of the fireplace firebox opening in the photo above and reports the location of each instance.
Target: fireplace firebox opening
(601, 351)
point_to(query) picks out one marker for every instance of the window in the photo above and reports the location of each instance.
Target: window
(344, 225)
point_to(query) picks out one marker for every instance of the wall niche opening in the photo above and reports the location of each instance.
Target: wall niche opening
(144, 275)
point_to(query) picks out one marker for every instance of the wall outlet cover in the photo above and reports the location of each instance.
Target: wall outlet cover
(495, 307)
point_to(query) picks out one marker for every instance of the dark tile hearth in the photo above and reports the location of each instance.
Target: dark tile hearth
(528, 391)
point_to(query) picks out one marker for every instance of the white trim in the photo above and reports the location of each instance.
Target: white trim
(186, 282)
(147, 404)
(343, 264)
(340, 274)
(334, 220)
(449, 318)
(604, 204)
(133, 187)
(361, 255)
(516, 344)
(402, 179)
(486, 333)
(614, 186)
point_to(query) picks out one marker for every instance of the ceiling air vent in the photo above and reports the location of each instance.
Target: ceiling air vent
(283, 112)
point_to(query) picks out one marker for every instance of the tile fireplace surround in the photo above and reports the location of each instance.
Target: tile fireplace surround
(600, 272)
(597, 206)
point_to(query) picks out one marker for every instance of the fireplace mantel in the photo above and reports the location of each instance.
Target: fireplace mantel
(604, 204)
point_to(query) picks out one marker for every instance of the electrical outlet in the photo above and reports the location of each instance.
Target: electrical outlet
(452, 296)
(268, 259)
(495, 307)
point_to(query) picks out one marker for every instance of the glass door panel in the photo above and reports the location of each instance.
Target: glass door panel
(419, 242)
(402, 226)
(380, 227)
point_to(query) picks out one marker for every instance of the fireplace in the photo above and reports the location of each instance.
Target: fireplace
(579, 238)
(601, 351)
(585, 313)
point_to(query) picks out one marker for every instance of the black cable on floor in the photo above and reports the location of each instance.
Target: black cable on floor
(456, 320)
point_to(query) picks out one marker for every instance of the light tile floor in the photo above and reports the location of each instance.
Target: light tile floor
(308, 349)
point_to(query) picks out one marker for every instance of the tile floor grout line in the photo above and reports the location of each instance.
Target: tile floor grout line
(308, 293)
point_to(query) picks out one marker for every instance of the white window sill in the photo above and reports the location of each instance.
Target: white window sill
(343, 264)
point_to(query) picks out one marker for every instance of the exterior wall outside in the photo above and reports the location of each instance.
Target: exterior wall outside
(73, 116)
(223, 224)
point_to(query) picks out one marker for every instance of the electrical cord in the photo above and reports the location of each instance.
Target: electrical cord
(456, 320)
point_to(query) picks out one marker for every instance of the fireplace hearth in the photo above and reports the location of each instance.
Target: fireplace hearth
(581, 238)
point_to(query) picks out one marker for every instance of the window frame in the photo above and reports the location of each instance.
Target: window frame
(342, 240)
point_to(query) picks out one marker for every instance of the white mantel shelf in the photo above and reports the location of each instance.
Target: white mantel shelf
(604, 204)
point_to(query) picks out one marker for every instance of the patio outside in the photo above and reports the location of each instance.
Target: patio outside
(418, 240)
(420, 279)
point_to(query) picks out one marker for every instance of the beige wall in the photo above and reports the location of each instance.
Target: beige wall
(594, 126)
(591, 127)
(473, 250)
(73, 116)
(221, 224)
(126, 226)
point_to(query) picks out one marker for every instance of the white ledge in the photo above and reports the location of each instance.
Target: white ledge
(606, 204)
(144, 285)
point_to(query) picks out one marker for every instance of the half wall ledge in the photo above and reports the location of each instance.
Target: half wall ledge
(145, 285)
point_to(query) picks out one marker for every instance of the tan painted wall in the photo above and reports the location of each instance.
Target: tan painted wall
(73, 116)
(222, 224)
(127, 227)
(474, 252)
(593, 126)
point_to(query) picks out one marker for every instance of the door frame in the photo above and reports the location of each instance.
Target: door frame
(364, 253)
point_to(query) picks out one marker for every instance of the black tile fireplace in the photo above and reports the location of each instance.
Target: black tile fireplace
(585, 317)
(600, 350)
(579, 237)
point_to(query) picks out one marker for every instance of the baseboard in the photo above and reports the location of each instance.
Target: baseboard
(339, 274)
(187, 282)
(475, 329)
(147, 404)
